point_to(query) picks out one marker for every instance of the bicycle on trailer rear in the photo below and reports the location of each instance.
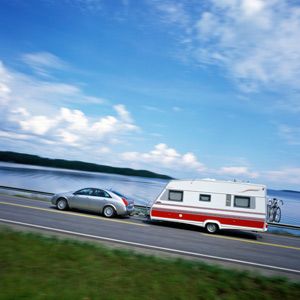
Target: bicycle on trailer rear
(274, 210)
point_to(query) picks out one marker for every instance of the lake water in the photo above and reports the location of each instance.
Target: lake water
(142, 190)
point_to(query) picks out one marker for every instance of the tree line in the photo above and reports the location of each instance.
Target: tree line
(29, 159)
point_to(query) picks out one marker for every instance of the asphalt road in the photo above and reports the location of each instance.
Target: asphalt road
(265, 253)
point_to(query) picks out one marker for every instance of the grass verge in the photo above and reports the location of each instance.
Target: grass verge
(37, 267)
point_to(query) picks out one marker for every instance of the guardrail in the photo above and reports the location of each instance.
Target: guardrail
(25, 190)
(286, 226)
(141, 207)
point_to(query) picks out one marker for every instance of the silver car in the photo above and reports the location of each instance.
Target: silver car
(106, 202)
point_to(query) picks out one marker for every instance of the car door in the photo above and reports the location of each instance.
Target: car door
(81, 199)
(98, 200)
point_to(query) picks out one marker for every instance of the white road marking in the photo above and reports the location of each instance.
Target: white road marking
(152, 247)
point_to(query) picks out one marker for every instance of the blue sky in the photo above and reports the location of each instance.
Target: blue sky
(192, 89)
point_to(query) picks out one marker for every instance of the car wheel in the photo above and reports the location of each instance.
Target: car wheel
(211, 227)
(62, 204)
(109, 212)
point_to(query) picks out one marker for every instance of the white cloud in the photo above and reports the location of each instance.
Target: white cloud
(238, 171)
(42, 62)
(4, 87)
(37, 110)
(111, 124)
(164, 156)
(75, 118)
(67, 137)
(174, 12)
(105, 125)
(123, 113)
(104, 150)
(13, 135)
(71, 126)
(39, 95)
(255, 41)
(252, 7)
(37, 124)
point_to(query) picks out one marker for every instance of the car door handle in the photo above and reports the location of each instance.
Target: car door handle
(158, 202)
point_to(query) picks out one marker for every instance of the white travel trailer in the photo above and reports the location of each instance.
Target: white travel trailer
(213, 204)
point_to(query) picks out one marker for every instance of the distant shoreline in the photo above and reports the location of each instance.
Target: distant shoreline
(35, 160)
(291, 191)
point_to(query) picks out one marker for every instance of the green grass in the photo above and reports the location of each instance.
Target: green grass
(37, 267)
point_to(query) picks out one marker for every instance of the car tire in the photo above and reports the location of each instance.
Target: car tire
(211, 227)
(109, 211)
(62, 204)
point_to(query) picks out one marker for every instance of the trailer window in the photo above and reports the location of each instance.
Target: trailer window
(240, 201)
(204, 197)
(175, 195)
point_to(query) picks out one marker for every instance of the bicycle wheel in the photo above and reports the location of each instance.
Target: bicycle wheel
(277, 215)
(271, 215)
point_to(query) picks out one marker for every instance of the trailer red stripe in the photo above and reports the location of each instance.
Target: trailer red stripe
(208, 214)
(202, 218)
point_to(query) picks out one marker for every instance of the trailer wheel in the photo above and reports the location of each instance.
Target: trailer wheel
(211, 227)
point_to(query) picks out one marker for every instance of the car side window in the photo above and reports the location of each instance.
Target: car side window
(86, 192)
(101, 193)
(97, 193)
(106, 194)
